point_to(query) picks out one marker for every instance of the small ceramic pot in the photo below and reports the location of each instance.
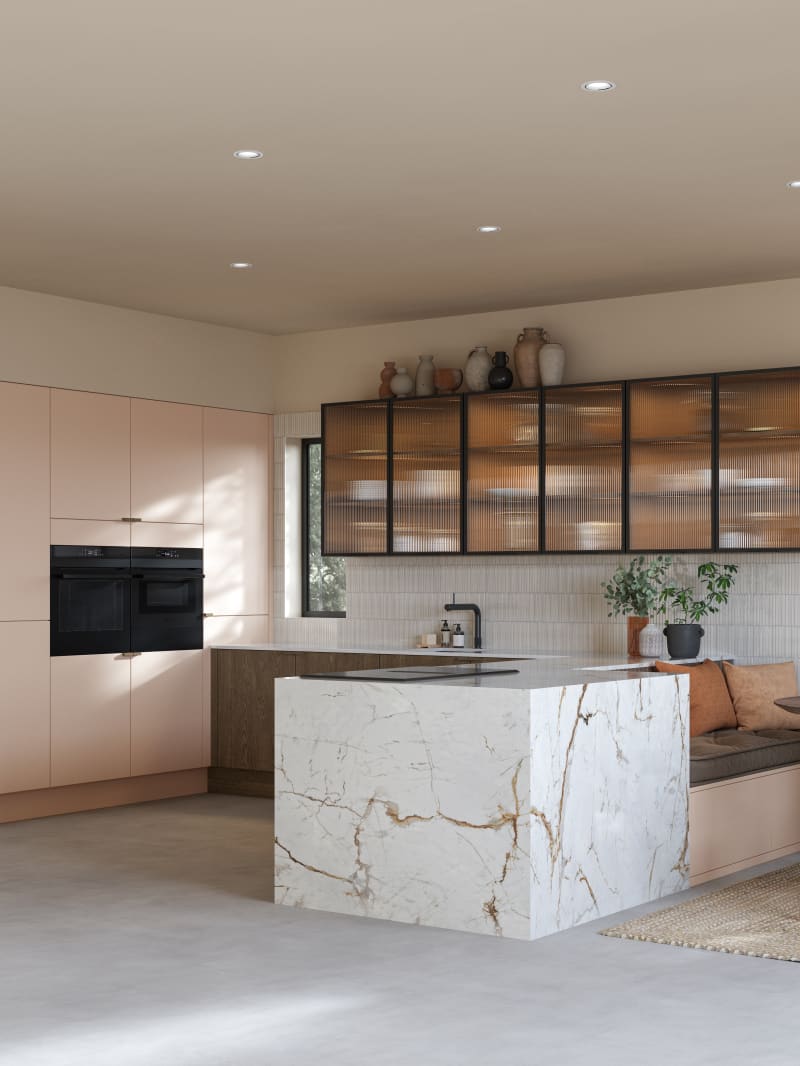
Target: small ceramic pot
(651, 642)
(551, 363)
(401, 384)
(500, 377)
(388, 372)
(447, 380)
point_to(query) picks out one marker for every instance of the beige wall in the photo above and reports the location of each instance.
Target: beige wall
(735, 327)
(48, 340)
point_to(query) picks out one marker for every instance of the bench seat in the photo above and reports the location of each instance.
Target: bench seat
(731, 753)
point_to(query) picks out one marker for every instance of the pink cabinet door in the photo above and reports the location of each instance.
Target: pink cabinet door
(166, 461)
(90, 455)
(166, 711)
(24, 706)
(237, 532)
(90, 714)
(24, 502)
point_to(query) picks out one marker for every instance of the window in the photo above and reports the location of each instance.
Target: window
(323, 576)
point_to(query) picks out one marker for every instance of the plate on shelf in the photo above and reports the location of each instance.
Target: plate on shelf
(368, 490)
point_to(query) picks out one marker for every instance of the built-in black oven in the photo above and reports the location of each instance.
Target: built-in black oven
(90, 599)
(105, 599)
(166, 598)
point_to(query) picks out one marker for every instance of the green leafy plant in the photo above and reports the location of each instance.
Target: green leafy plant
(688, 605)
(636, 589)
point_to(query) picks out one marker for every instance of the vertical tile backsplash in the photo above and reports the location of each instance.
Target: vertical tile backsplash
(532, 603)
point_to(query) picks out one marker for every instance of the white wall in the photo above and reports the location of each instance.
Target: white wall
(74, 344)
(735, 327)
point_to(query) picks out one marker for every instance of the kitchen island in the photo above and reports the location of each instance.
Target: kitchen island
(513, 804)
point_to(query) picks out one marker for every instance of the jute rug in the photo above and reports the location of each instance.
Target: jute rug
(758, 917)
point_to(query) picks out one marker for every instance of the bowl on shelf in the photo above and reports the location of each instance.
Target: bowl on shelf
(447, 380)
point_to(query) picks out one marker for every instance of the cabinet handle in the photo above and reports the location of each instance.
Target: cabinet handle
(129, 654)
(130, 519)
(208, 614)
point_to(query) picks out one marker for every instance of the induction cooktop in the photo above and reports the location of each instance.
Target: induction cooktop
(411, 674)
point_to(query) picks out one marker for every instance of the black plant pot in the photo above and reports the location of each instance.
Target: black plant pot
(683, 641)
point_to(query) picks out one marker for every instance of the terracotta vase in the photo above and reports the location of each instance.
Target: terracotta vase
(526, 356)
(447, 380)
(388, 372)
(636, 624)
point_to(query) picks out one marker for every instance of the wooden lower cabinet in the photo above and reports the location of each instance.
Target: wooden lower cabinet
(243, 706)
(166, 712)
(90, 717)
(24, 706)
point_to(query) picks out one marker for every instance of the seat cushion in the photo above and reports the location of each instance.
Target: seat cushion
(710, 704)
(732, 752)
(754, 690)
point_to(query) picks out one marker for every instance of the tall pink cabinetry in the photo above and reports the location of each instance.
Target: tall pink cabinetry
(89, 468)
(24, 587)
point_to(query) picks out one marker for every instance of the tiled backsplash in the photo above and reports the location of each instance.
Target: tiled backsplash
(536, 603)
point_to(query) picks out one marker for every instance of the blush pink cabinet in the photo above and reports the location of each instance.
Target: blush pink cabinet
(237, 448)
(24, 502)
(167, 712)
(166, 462)
(90, 715)
(24, 706)
(90, 455)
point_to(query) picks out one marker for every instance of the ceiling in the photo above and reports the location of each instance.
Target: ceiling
(390, 131)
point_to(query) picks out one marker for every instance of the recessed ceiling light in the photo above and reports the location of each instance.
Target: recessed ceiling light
(488, 229)
(241, 266)
(248, 153)
(598, 86)
(793, 184)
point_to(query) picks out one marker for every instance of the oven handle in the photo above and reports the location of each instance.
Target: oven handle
(168, 575)
(95, 575)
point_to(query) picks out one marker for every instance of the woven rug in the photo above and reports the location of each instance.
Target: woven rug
(759, 917)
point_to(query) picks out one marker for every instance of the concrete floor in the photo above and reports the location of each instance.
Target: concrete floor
(142, 936)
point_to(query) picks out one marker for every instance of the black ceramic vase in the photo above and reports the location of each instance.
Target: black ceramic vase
(683, 641)
(500, 377)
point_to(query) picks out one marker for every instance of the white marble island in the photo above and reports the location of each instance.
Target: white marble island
(514, 805)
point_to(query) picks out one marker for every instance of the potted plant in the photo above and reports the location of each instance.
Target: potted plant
(688, 606)
(635, 590)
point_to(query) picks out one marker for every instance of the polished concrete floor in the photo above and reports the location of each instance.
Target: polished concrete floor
(144, 935)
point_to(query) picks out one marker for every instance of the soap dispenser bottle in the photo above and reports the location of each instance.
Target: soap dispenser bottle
(444, 634)
(458, 636)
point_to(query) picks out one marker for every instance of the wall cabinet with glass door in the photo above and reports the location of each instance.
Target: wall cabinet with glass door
(583, 469)
(502, 478)
(426, 475)
(355, 475)
(671, 464)
(759, 460)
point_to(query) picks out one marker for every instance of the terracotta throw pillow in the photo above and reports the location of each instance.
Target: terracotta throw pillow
(710, 704)
(754, 690)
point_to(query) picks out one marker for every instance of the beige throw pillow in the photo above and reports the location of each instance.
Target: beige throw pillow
(754, 690)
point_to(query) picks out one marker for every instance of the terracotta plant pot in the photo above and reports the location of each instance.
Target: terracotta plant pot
(447, 380)
(636, 624)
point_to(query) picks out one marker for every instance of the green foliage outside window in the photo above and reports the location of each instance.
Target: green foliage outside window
(324, 575)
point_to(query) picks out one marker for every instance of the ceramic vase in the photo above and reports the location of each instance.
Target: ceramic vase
(651, 642)
(387, 374)
(476, 370)
(526, 356)
(551, 363)
(636, 624)
(423, 381)
(401, 384)
(500, 377)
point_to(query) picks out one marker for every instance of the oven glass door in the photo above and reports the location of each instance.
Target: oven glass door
(167, 610)
(89, 613)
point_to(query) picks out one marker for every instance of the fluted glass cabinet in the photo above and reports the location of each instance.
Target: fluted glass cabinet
(759, 460)
(426, 475)
(355, 467)
(583, 440)
(502, 489)
(670, 464)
